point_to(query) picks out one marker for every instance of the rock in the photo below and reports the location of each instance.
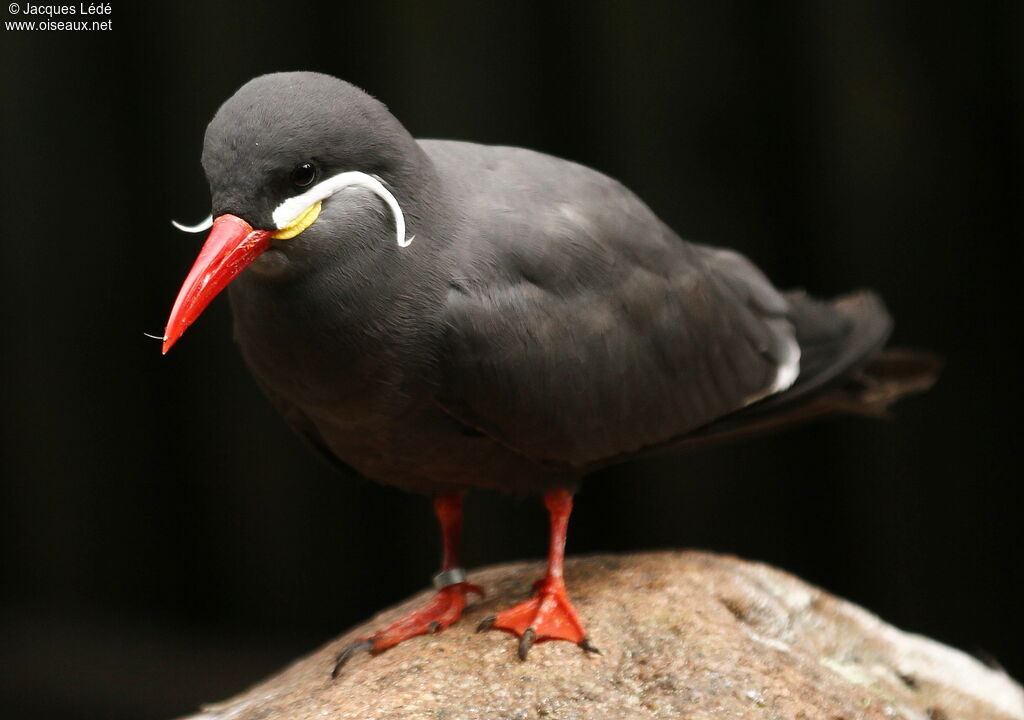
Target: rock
(683, 635)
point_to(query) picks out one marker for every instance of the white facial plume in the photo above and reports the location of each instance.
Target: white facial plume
(293, 207)
(198, 227)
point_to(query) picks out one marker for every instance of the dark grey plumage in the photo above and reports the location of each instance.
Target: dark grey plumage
(543, 322)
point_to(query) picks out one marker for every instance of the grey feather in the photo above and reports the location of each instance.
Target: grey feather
(544, 323)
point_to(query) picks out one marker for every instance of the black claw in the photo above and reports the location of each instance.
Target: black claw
(345, 655)
(487, 623)
(587, 647)
(433, 627)
(525, 642)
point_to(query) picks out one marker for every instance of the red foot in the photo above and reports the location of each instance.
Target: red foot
(549, 615)
(442, 610)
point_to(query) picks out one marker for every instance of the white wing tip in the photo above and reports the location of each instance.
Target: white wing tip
(789, 368)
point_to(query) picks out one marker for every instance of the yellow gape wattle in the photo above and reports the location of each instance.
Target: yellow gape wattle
(303, 221)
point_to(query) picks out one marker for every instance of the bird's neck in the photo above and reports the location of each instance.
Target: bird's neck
(422, 194)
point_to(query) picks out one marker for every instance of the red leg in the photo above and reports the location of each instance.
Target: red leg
(445, 607)
(549, 615)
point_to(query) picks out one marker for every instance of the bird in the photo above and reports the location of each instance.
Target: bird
(444, 316)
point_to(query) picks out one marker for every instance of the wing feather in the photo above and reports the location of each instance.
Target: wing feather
(580, 327)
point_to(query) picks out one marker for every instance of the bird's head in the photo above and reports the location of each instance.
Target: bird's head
(291, 158)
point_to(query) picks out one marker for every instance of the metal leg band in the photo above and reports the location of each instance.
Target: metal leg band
(451, 576)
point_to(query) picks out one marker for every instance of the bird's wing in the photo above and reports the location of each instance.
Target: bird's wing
(581, 328)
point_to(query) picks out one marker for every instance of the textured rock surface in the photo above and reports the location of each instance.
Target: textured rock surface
(684, 635)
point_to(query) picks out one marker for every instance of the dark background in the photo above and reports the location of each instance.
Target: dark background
(166, 540)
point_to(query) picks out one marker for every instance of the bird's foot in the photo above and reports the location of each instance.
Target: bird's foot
(549, 615)
(442, 610)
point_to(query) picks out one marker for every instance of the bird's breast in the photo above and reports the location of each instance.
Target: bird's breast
(352, 356)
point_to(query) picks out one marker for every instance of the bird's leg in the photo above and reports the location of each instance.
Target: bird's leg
(549, 615)
(445, 607)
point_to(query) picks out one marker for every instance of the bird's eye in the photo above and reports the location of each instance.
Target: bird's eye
(304, 174)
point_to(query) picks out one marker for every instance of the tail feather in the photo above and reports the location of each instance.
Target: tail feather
(835, 339)
(888, 376)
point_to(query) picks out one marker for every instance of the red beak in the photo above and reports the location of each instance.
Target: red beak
(230, 248)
